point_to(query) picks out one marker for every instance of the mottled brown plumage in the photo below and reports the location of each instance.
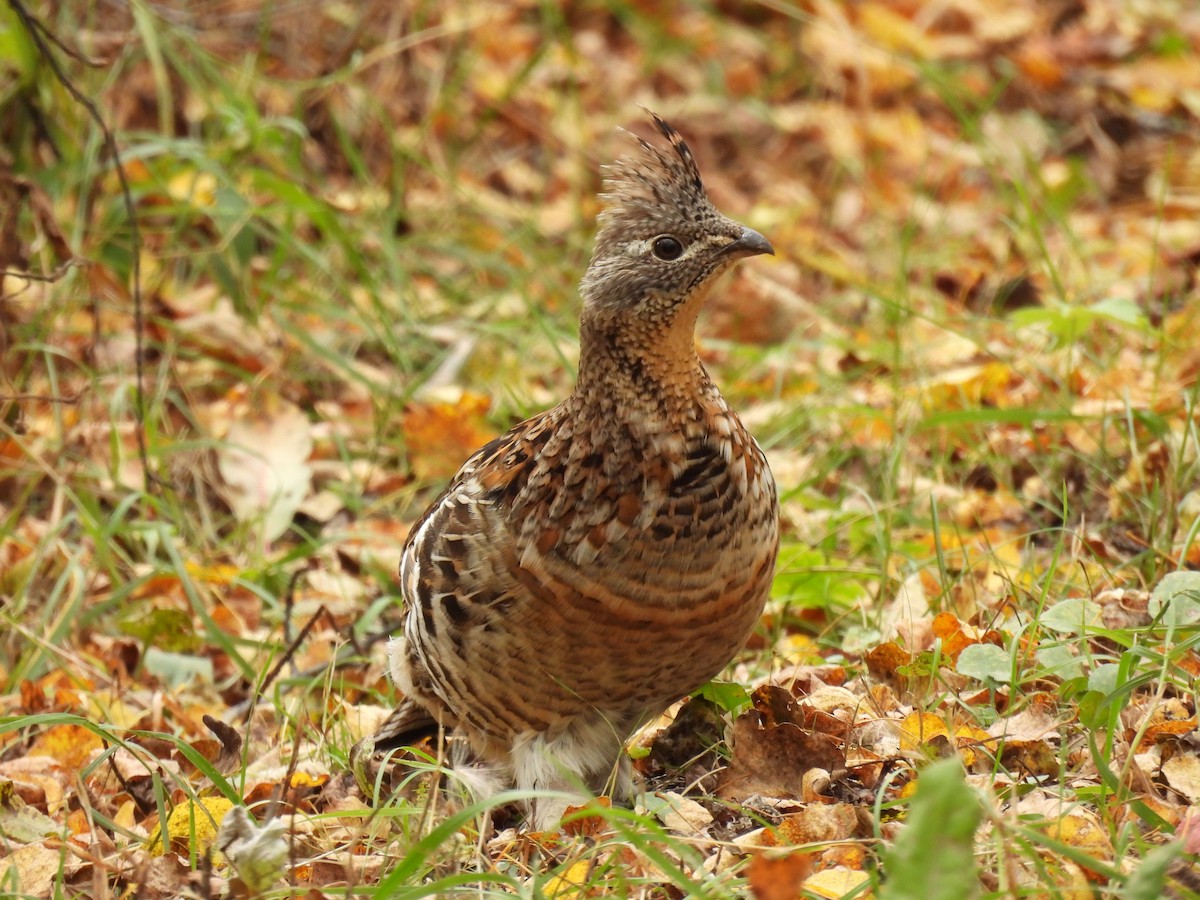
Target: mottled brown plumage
(608, 556)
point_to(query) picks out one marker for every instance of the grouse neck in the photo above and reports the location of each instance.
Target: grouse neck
(658, 369)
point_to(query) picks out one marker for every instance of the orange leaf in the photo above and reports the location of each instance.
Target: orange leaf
(586, 823)
(1037, 62)
(778, 877)
(884, 660)
(440, 436)
(71, 745)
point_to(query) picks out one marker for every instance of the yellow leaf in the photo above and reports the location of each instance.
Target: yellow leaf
(126, 815)
(71, 745)
(967, 738)
(838, 882)
(220, 574)
(890, 29)
(199, 820)
(196, 188)
(569, 882)
(104, 706)
(36, 868)
(921, 728)
(1083, 831)
(968, 386)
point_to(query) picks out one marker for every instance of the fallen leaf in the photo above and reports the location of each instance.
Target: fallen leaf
(771, 761)
(1183, 774)
(920, 728)
(439, 436)
(263, 461)
(818, 823)
(775, 877)
(70, 745)
(189, 822)
(35, 868)
(21, 823)
(570, 881)
(683, 815)
(838, 882)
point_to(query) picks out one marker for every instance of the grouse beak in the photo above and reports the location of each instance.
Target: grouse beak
(751, 243)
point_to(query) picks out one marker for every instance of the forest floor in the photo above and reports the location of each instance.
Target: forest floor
(973, 363)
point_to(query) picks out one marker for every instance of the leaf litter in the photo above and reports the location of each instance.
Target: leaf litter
(987, 216)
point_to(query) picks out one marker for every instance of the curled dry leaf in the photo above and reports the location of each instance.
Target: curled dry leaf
(231, 744)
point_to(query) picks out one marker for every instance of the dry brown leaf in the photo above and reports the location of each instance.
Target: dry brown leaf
(818, 823)
(1038, 62)
(588, 820)
(1033, 723)
(771, 761)
(1168, 719)
(684, 815)
(37, 780)
(885, 661)
(36, 868)
(1183, 774)
(263, 461)
(774, 877)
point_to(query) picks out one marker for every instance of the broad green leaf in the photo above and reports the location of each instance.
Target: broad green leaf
(1120, 310)
(1077, 615)
(987, 662)
(1104, 679)
(934, 856)
(177, 669)
(1149, 880)
(1059, 661)
(733, 698)
(1176, 598)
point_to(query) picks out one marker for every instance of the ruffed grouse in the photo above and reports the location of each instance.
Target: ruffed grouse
(607, 557)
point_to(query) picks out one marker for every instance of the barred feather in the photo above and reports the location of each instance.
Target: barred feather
(608, 556)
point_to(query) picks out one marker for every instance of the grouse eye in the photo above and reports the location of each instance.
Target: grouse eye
(666, 247)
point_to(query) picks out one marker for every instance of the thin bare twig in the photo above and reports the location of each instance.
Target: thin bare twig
(41, 37)
(290, 652)
(53, 275)
(38, 398)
